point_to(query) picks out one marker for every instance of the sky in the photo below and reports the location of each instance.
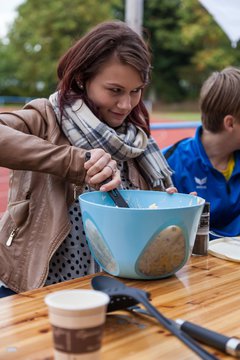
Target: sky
(226, 14)
(7, 14)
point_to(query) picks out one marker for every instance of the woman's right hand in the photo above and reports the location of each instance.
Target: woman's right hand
(99, 168)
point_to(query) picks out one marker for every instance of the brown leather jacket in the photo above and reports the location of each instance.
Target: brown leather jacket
(45, 169)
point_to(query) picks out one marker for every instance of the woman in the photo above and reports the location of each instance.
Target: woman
(98, 108)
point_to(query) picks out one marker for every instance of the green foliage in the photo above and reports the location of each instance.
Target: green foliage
(41, 33)
(8, 65)
(161, 18)
(211, 49)
(187, 44)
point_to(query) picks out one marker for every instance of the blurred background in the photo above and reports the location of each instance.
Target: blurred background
(189, 40)
(186, 41)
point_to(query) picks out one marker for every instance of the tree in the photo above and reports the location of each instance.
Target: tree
(41, 33)
(8, 64)
(211, 49)
(161, 19)
(187, 44)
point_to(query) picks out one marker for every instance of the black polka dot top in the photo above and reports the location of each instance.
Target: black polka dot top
(73, 258)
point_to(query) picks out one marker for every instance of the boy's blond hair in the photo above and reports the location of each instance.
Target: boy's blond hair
(220, 96)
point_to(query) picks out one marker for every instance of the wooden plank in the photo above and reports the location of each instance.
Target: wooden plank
(206, 291)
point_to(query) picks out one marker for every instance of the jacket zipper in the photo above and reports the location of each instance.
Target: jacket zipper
(76, 191)
(11, 237)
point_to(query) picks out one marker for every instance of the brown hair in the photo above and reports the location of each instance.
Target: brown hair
(84, 59)
(220, 96)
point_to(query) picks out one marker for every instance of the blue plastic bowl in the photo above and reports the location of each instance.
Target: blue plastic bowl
(152, 239)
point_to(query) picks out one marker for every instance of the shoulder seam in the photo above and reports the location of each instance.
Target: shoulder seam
(171, 150)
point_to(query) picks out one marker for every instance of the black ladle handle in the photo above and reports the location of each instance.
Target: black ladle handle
(119, 291)
(117, 198)
(229, 345)
(170, 325)
(119, 201)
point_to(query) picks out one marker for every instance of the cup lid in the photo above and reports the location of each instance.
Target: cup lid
(77, 299)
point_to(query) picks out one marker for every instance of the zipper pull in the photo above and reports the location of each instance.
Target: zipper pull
(11, 237)
(75, 192)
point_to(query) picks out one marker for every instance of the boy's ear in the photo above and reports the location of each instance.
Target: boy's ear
(228, 122)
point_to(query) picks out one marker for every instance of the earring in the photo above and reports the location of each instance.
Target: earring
(80, 85)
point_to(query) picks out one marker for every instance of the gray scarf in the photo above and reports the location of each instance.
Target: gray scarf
(83, 129)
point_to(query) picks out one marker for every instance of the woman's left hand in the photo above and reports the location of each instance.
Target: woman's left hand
(171, 190)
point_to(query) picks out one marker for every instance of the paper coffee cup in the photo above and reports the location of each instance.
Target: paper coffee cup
(77, 318)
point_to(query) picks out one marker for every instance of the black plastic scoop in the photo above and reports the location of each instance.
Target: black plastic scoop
(117, 301)
(120, 298)
(115, 194)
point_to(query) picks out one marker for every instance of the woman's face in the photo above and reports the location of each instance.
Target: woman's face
(115, 90)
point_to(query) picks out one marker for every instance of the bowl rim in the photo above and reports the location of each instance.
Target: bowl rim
(200, 201)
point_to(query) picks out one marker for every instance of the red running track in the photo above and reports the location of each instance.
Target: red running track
(163, 138)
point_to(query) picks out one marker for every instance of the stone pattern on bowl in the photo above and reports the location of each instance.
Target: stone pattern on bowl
(164, 254)
(100, 250)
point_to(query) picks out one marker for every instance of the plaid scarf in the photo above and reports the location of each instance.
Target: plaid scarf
(83, 129)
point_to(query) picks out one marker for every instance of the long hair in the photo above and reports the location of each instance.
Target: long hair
(84, 59)
(220, 96)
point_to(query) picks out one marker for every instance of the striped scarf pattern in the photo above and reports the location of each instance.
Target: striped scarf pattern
(83, 129)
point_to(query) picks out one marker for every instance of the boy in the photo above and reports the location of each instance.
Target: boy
(209, 163)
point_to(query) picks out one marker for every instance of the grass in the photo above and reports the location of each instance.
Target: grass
(176, 116)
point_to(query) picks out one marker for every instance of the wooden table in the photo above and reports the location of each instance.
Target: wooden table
(206, 291)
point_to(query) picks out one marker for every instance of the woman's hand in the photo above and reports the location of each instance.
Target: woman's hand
(171, 190)
(101, 167)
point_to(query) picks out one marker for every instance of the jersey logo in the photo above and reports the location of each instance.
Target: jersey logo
(201, 183)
